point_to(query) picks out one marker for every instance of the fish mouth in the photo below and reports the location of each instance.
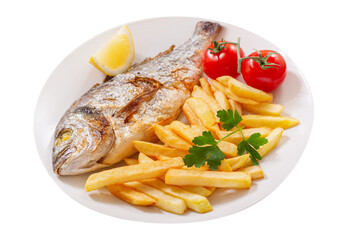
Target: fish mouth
(69, 161)
(61, 158)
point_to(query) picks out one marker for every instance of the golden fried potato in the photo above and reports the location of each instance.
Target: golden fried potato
(164, 201)
(239, 161)
(254, 171)
(225, 167)
(264, 109)
(131, 173)
(208, 178)
(209, 99)
(184, 131)
(190, 115)
(220, 87)
(222, 100)
(273, 140)
(197, 190)
(212, 189)
(202, 168)
(206, 86)
(235, 106)
(144, 159)
(154, 150)
(170, 138)
(130, 195)
(228, 148)
(254, 121)
(204, 113)
(131, 161)
(224, 80)
(242, 90)
(193, 201)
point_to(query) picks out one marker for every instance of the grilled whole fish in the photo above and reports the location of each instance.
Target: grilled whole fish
(99, 128)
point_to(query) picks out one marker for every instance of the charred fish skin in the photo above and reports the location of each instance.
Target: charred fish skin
(99, 128)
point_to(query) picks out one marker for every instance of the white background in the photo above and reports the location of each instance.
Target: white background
(320, 198)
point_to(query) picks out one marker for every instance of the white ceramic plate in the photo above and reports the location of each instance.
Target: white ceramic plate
(74, 76)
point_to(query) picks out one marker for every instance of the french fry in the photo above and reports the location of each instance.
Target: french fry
(212, 189)
(130, 195)
(204, 113)
(228, 148)
(222, 100)
(224, 80)
(184, 131)
(220, 87)
(209, 99)
(206, 86)
(208, 178)
(235, 106)
(163, 158)
(242, 90)
(130, 173)
(164, 201)
(254, 171)
(225, 167)
(193, 201)
(239, 161)
(144, 159)
(202, 168)
(236, 138)
(131, 161)
(245, 161)
(273, 140)
(154, 150)
(190, 115)
(197, 190)
(170, 138)
(254, 121)
(264, 109)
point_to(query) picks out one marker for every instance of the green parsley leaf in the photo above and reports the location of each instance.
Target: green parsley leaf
(256, 141)
(254, 155)
(200, 155)
(204, 139)
(229, 118)
(250, 145)
(214, 158)
(241, 148)
(196, 157)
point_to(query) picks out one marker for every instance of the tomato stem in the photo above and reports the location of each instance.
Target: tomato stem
(262, 61)
(238, 55)
(218, 47)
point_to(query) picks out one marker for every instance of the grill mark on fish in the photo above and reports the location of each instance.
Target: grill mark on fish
(149, 86)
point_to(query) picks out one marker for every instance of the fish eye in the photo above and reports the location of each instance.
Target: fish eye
(65, 135)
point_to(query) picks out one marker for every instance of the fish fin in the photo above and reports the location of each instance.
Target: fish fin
(207, 29)
(152, 58)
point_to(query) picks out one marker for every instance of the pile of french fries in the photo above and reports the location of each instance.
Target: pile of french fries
(158, 176)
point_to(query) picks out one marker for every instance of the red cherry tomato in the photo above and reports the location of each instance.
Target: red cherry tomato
(264, 79)
(225, 62)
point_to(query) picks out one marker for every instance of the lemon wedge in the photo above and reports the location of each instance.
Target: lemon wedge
(117, 55)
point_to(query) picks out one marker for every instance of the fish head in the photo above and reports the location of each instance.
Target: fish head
(82, 138)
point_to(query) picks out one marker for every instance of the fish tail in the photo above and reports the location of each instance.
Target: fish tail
(207, 29)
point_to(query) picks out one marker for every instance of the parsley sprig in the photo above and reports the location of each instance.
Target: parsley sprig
(206, 150)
